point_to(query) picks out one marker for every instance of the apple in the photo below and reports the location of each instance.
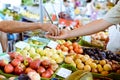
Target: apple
(50, 70)
(45, 63)
(35, 64)
(41, 70)
(54, 66)
(19, 69)
(28, 69)
(20, 57)
(12, 54)
(27, 61)
(46, 74)
(3, 63)
(25, 53)
(8, 68)
(15, 62)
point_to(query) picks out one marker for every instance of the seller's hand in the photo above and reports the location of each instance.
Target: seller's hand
(63, 35)
(51, 29)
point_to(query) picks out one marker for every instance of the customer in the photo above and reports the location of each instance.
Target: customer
(16, 27)
(111, 18)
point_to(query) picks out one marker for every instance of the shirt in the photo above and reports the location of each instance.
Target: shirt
(113, 16)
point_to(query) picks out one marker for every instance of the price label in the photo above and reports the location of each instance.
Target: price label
(87, 38)
(5, 56)
(21, 45)
(52, 44)
(64, 72)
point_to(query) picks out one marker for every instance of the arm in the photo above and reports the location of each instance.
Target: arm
(15, 26)
(87, 29)
(90, 28)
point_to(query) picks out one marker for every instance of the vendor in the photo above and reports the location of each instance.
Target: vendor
(111, 18)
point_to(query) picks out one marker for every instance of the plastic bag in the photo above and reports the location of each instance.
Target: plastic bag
(114, 39)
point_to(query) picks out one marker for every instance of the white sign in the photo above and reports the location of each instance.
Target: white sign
(21, 44)
(64, 72)
(52, 44)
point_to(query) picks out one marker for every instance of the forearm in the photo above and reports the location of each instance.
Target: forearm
(15, 26)
(90, 28)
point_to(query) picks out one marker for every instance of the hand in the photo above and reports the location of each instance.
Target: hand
(63, 35)
(51, 29)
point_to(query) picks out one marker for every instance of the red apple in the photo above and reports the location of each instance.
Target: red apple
(8, 68)
(12, 54)
(35, 64)
(15, 62)
(41, 70)
(27, 70)
(19, 70)
(50, 70)
(3, 63)
(20, 57)
(45, 63)
(46, 74)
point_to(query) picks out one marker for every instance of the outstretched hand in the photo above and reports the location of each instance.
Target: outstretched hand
(51, 29)
(63, 35)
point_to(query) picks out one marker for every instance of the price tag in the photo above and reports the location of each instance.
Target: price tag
(21, 45)
(87, 38)
(52, 44)
(5, 56)
(64, 72)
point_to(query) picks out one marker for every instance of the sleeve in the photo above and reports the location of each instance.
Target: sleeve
(113, 16)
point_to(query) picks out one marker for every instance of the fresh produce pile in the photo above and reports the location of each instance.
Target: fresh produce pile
(46, 61)
(21, 65)
(99, 54)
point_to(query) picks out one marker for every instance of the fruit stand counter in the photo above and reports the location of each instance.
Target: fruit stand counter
(66, 58)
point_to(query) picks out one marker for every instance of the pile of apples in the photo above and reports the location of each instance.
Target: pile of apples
(68, 46)
(84, 62)
(55, 56)
(20, 65)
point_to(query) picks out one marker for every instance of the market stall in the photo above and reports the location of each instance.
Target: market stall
(38, 58)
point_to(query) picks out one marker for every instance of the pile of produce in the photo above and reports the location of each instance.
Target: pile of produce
(46, 62)
(21, 65)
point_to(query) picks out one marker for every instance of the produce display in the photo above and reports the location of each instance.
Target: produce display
(30, 15)
(45, 62)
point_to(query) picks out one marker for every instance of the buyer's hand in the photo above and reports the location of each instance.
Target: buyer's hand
(63, 35)
(51, 29)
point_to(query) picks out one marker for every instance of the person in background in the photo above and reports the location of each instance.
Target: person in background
(69, 8)
(111, 18)
(89, 8)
